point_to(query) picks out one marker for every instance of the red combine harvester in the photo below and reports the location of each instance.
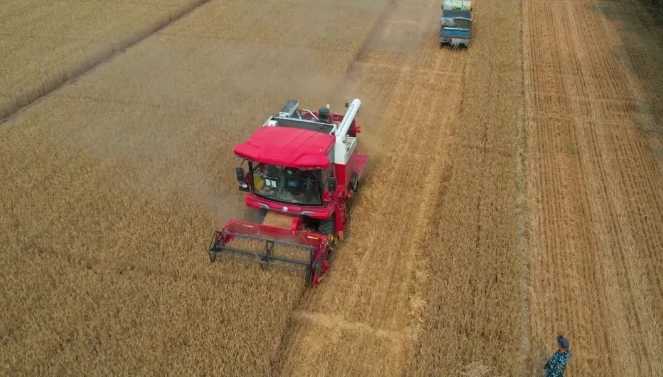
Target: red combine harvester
(303, 169)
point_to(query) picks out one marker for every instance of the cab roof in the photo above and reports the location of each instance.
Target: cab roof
(285, 146)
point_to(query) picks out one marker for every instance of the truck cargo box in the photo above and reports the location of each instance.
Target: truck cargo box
(457, 5)
(455, 28)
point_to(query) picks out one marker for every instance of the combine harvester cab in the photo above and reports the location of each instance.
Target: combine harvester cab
(303, 173)
(456, 23)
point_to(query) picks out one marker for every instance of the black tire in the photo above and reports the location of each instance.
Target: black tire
(354, 182)
(327, 227)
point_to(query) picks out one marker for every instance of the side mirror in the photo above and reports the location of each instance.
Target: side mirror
(239, 171)
(331, 184)
(243, 186)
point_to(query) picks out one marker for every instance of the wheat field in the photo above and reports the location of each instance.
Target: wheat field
(514, 189)
(47, 43)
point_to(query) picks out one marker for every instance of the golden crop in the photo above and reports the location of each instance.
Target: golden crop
(513, 190)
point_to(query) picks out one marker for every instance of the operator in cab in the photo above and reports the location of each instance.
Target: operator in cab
(299, 186)
(262, 181)
(286, 184)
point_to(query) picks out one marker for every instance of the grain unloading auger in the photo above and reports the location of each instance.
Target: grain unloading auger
(303, 173)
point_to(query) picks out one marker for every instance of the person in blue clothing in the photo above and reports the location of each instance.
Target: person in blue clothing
(557, 363)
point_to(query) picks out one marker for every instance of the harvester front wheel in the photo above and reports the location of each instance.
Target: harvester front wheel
(326, 227)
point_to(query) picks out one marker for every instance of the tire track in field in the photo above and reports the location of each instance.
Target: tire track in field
(561, 170)
(588, 166)
(625, 158)
(362, 321)
(640, 218)
(372, 108)
(92, 64)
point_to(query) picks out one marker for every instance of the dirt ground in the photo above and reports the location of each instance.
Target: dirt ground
(514, 194)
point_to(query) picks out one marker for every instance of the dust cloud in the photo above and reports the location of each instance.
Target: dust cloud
(184, 103)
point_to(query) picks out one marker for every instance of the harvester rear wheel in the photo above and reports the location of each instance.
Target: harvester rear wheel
(354, 182)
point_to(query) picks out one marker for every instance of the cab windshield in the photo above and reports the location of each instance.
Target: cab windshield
(287, 185)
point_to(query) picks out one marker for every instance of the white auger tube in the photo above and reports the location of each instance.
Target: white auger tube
(343, 128)
(342, 152)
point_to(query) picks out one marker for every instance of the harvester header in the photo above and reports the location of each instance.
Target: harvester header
(303, 173)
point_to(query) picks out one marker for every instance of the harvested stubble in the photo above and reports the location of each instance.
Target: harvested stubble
(595, 199)
(473, 291)
(49, 42)
(369, 312)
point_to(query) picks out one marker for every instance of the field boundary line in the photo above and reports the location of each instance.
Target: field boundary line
(89, 66)
(522, 201)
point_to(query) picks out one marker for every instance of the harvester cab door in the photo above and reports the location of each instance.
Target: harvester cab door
(311, 186)
(325, 189)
